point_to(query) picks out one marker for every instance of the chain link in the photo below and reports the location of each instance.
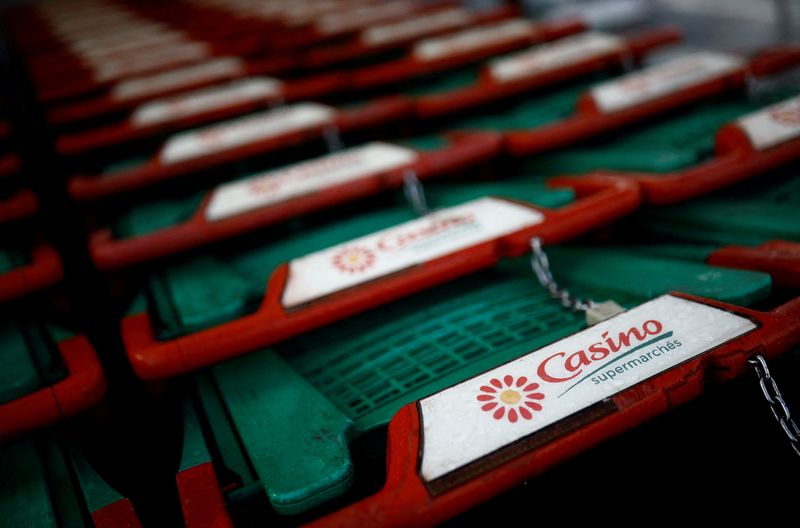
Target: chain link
(333, 138)
(628, 62)
(540, 265)
(415, 192)
(775, 400)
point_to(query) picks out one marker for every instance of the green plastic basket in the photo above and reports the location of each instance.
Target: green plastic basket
(764, 209)
(224, 284)
(48, 484)
(682, 139)
(11, 258)
(158, 213)
(30, 360)
(295, 407)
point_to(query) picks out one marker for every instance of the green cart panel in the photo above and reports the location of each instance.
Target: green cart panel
(752, 213)
(30, 360)
(223, 285)
(296, 405)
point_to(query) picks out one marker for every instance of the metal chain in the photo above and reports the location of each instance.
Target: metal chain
(628, 62)
(415, 192)
(776, 402)
(540, 265)
(333, 138)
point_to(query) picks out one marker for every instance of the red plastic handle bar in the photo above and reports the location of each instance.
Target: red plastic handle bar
(20, 206)
(83, 84)
(119, 514)
(355, 49)
(308, 36)
(55, 92)
(84, 387)
(601, 200)
(51, 92)
(405, 499)
(736, 160)
(43, 271)
(590, 121)
(377, 113)
(65, 65)
(464, 151)
(319, 87)
(201, 499)
(9, 165)
(410, 67)
(487, 89)
(779, 258)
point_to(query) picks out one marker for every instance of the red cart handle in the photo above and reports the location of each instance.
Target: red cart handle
(313, 87)
(20, 206)
(639, 96)
(431, 56)
(323, 29)
(231, 141)
(423, 489)
(206, 227)
(84, 387)
(752, 145)
(53, 92)
(544, 66)
(220, 101)
(779, 258)
(202, 502)
(118, 514)
(284, 313)
(370, 41)
(9, 165)
(43, 271)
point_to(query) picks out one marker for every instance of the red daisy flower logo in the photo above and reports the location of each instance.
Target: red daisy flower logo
(787, 115)
(264, 185)
(510, 398)
(353, 259)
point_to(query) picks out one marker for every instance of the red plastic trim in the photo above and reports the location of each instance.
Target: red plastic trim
(316, 87)
(600, 200)
(736, 160)
(404, 500)
(53, 92)
(376, 113)
(590, 122)
(119, 514)
(333, 55)
(9, 165)
(306, 37)
(201, 499)
(20, 206)
(109, 253)
(487, 90)
(409, 67)
(779, 258)
(58, 80)
(43, 271)
(84, 387)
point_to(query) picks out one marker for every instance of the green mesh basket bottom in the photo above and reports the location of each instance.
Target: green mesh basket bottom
(295, 406)
(371, 365)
